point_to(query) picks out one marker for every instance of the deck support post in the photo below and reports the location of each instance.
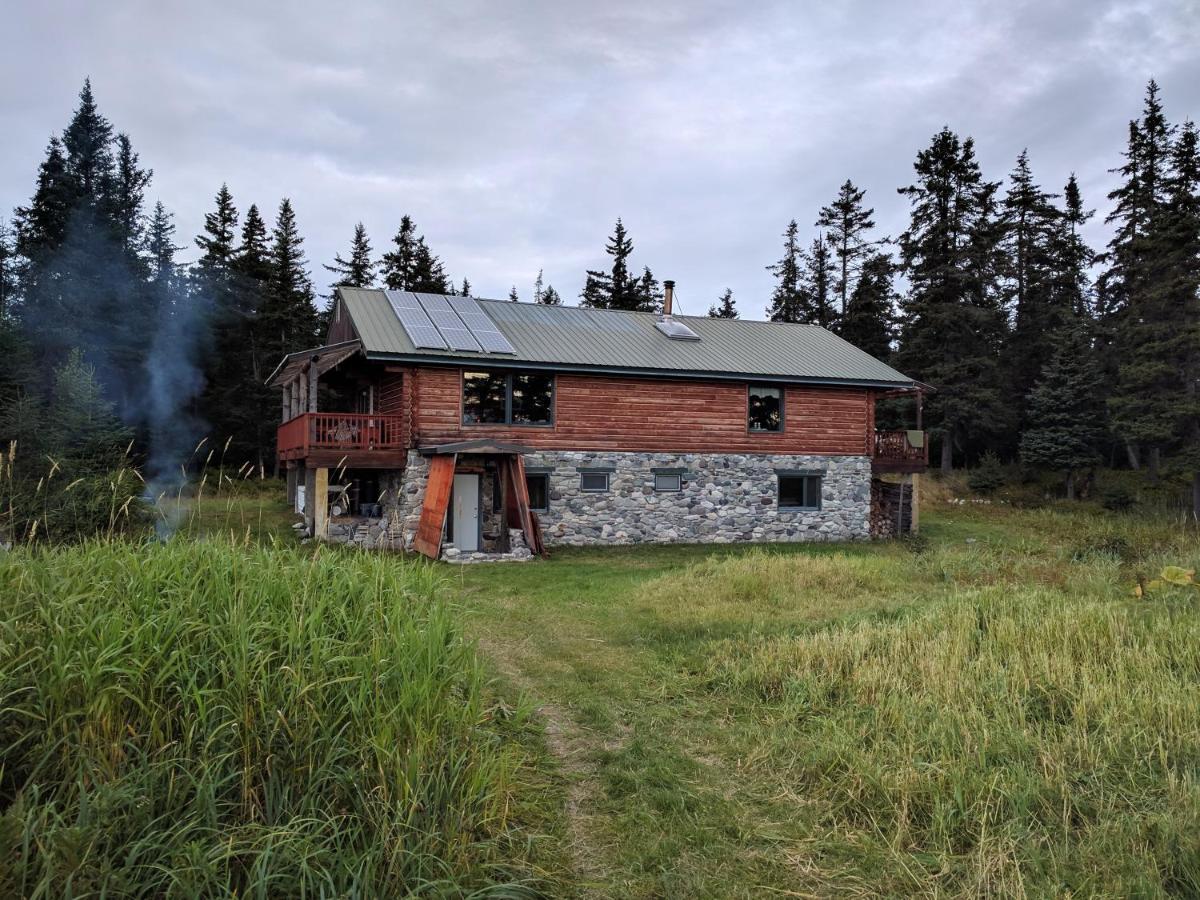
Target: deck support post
(914, 524)
(293, 479)
(312, 386)
(320, 503)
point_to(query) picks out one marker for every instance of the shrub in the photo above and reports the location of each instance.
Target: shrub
(988, 476)
(200, 719)
(1117, 498)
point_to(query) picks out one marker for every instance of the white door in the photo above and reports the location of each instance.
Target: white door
(466, 512)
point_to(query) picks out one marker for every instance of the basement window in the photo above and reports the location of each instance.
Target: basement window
(593, 482)
(799, 490)
(497, 398)
(539, 492)
(668, 482)
(764, 410)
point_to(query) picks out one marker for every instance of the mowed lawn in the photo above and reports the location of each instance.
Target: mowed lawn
(984, 711)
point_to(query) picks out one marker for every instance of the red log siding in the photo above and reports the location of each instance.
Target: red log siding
(656, 416)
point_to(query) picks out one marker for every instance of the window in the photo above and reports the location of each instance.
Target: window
(765, 408)
(799, 491)
(494, 398)
(668, 482)
(593, 482)
(539, 492)
(532, 398)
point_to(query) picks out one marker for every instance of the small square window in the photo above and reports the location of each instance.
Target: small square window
(799, 491)
(764, 408)
(539, 492)
(593, 482)
(668, 482)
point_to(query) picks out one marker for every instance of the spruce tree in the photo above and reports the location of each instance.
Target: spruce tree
(847, 222)
(952, 323)
(1066, 412)
(724, 308)
(1072, 256)
(512, 294)
(359, 269)
(428, 276)
(816, 285)
(785, 299)
(87, 141)
(870, 319)
(538, 287)
(550, 297)
(466, 288)
(289, 315)
(1030, 225)
(617, 288)
(649, 292)
(129, 191)
(161, 249)
(8, 272)
(1136, 315)
(396, 267)
(219, 300)
(220, 228)
(411, 265)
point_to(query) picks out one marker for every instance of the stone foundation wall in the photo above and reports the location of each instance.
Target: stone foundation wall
(725, 498)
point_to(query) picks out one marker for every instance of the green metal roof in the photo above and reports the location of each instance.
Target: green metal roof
(603, 340)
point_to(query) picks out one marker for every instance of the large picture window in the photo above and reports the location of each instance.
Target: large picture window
(765, 408)
(497, 398)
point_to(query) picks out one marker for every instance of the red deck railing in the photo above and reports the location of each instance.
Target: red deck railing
(338, 431)
(895, 447)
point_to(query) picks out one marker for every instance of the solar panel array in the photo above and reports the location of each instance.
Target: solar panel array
(415, 321)
(457, 335)
(434, 322)
(481, 326)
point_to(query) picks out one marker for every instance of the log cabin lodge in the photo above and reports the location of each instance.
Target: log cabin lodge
(470, 429)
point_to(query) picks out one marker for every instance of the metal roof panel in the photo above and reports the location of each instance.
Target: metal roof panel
(582, 338)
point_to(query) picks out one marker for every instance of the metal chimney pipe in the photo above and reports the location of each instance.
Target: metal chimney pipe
(668, 296)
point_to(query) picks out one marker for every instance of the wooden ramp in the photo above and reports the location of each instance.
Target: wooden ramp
(437, 500)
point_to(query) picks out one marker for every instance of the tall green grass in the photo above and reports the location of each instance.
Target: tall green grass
(1018, 727)
(203, 718)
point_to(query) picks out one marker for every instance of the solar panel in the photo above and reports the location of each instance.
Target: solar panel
(457, 335)
(676, 330)
(416, 324)
(489, 336)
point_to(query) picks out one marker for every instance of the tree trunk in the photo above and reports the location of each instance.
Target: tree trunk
(1152, 465)
(1070, 484)
(947, 452)
(1131, 450)
(1196, 495)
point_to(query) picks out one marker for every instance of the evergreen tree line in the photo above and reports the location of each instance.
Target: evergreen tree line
(998, 311)
(1039, 347)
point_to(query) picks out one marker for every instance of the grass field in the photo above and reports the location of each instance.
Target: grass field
(983, 711)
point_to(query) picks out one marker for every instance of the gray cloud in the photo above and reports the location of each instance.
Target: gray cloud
(516, 133)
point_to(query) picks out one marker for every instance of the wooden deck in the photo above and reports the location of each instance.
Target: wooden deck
(894, 452)
(349, 440)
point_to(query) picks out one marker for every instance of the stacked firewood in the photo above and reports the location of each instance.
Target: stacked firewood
(883, 516)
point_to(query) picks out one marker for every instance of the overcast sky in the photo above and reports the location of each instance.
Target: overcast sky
(516, 133)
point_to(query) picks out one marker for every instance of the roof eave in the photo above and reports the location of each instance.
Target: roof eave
(495, 362)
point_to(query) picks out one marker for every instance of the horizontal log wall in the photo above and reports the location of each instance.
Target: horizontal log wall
(656, 415)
